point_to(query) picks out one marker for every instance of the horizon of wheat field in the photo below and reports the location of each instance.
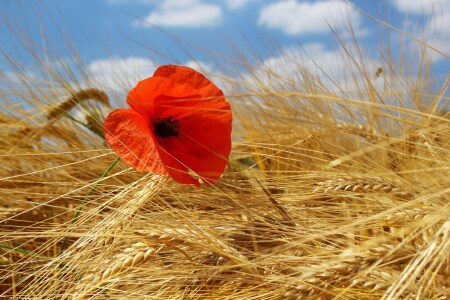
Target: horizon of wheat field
(333, 190)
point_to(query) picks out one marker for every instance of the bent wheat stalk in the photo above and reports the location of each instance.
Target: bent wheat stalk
(101, 236)
(76, 98)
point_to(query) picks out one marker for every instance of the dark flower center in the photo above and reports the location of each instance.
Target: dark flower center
(167, 127)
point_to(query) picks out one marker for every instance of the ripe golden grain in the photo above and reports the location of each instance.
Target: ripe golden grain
(75, 99)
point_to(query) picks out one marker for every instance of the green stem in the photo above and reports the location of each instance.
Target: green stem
(91, 191)
(83, 124)
(23, 251)
(20, 250)
(75, 120)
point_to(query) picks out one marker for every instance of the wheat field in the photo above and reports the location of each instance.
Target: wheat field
(330, 192)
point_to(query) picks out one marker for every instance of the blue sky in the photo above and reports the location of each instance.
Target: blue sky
(134, 36)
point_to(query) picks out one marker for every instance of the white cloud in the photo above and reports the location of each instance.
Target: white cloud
(236, 4)
(435, 28)
(199, 66)
(314, 68)
(315, 58)
(120, 74)
(295, 17)
(22, 77)
(442, 40)
(185, 13)
(426, 7)
(296, 66)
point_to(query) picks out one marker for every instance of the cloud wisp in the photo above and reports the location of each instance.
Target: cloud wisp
(297, 18)
(238, 4)
(426, 7)
(437, 22)
(296, 65)
(186, 13)
(120, 74)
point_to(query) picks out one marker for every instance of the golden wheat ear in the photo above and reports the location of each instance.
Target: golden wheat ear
(75, 99)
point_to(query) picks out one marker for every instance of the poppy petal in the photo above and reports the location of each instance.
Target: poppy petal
(210, 95)
(155, 93)
(203, 146)
(177, 170)
(202, 143)
(182, 74)
(218, 109)
(131, 138)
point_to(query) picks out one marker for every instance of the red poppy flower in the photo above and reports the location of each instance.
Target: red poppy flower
(178, 121)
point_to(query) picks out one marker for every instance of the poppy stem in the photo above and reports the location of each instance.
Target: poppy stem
(83, 203)
(23, 251)
(83, 124)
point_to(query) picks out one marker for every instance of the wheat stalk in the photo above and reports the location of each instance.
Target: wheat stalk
(75, 99)
(101, 235)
